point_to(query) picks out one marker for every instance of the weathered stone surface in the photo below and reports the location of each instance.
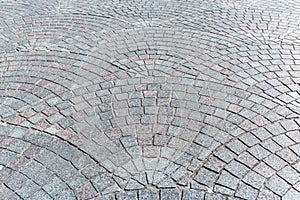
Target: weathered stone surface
(149, 99)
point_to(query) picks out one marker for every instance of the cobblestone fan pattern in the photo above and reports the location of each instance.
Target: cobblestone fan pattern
(150, 99)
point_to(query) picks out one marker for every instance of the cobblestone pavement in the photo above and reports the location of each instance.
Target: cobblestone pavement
(150, 99)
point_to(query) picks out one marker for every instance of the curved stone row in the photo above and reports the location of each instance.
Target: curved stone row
(253, 25)
(257, 163)
(275, 80)
(36, 165)
(23, 151)
(44, 32)
(262, 22)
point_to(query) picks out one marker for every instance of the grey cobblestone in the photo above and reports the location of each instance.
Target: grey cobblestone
(254, 179)
(226, 179)
(291, 194)
(289, 175)
(246, 192)
(205, 177)
(265, 193)
(278, 185)
(259, 152)
(54, 187)
(237, 169)
(192, 194)
(27, 189)
(275, 162)
(169, 194)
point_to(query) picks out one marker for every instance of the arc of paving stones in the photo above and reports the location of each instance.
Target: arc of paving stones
(164, 10)
(104, 84)
(274, 26)
(36, 165)
(224, 138)
(265, 5)
(34, 85)
(65, 74)
(31, 8)
(49, 30)
(267, 23)
(255, 165)
(275, 29)
(140, 50)
(269, 80)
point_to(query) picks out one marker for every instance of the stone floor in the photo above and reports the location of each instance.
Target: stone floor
(150, 99)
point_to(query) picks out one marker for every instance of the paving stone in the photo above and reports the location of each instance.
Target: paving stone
(43, 176)
(126, 195)
(32, 168)
(294, 135)
(205, 177)
(267, 194)
(166, 183)
(225, 155)
(289, 125)
(192, 194)
(226, 179)
(129, 141)
(148, 194)
(17, 181)
(296, 149)
(85, 191)
(54, 187)
(107, 197)
(40, 195)
(259, 152)
(237, 169)
(204, 140)
(246, 192)
(247, 159)
(289, 174)
(271, 145)
(283, 140)
(275, 162)
(27, 189)
(264, 170)
(237, 146)
(254, 179)
(6, 156)
(77, 181)
(101, 182)
(296, 186)
(215, 164)
(214, 197)
(67, 194)
(134, 185)
(169, 194)
(291, 194)
(288, 155)
(277, 185)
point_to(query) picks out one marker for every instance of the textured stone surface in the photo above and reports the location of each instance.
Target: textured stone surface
(149, 99)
